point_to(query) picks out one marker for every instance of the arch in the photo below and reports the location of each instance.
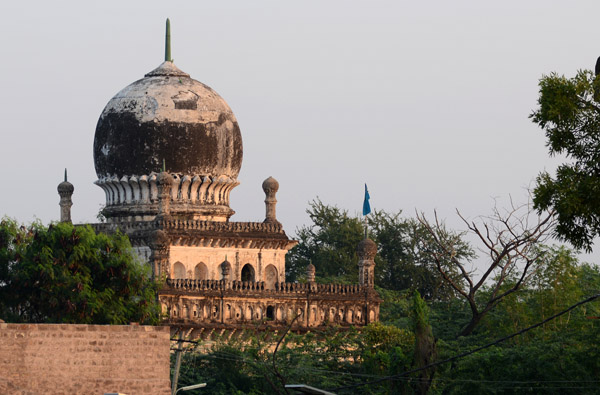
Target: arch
(270, 312)
(270, 277)
(248, 273)
(178, 270)
(201, 271)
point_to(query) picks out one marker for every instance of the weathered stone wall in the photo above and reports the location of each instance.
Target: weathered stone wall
(210, 258)
(83, 359)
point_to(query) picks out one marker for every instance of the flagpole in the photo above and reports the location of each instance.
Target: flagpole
(366, 209)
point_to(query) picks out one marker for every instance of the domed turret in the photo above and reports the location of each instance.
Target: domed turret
(167, 121)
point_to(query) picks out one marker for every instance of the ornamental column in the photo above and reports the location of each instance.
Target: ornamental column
(270, 186)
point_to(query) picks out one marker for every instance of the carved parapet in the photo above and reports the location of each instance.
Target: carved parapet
(279, 288)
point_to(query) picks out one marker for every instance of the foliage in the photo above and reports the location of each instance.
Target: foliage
(401, 262)
(330, 244)
(425, 344)
(324, 360)
(404, 261)
(569, 113)
(71, 274)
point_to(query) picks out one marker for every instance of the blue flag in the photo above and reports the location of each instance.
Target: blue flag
(366, 205)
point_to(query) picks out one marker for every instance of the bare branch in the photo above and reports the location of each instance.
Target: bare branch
(508, 238)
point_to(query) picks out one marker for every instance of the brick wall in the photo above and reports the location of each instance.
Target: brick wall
(83, 359)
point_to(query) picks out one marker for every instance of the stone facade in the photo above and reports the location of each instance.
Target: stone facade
(83, 359)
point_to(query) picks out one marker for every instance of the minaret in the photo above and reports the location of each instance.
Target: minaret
(270, 186)
(367, 249)
(65, 190)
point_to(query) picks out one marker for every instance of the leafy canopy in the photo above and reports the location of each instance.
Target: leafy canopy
(63, 273)
(403, 260)
(569, 113)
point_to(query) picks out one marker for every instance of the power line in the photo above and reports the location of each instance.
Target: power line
(467, 353)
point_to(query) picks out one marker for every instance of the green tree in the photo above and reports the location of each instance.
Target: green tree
(70, 274)
(402, 261)
(559, 357)
(425, 343)
(569, 113)
(329, 243)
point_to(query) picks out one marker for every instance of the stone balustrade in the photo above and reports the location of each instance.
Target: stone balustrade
(191, 285)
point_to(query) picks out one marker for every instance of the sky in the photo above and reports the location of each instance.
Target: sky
(426, 102)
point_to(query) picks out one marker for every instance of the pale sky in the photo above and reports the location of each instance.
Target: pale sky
(427, 102)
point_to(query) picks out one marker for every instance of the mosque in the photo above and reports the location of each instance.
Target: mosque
(167, 153)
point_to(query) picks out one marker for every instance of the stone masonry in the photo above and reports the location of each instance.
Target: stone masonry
(83, 359)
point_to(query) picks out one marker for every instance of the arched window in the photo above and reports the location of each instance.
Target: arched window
(248, 273)
(201, 272)
(270, 277)
(270, 312)
(178, 270)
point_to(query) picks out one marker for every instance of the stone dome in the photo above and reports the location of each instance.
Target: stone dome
(167, 116)
(65, 187)
(367, 249)
(167, 123)
(270, 184)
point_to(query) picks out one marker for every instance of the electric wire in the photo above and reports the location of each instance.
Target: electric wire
(400, 376)
(467, 353)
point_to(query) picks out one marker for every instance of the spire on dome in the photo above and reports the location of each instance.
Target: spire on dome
(168, 42)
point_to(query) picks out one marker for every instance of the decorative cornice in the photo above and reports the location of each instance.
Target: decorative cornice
(255, 235)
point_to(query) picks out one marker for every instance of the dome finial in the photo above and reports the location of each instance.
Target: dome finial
(168, 42)
(65, 174)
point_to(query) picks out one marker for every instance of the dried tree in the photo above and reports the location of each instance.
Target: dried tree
(508, 242)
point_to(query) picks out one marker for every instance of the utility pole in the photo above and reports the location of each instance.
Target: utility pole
(177, 362)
